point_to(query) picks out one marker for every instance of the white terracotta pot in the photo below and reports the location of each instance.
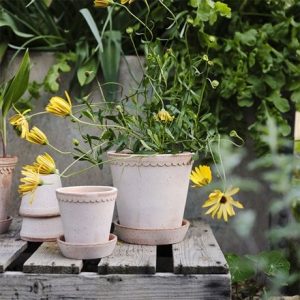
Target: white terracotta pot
(41, 229)
(7, 165)
(43, 202)
(152, 190)
(86, 213)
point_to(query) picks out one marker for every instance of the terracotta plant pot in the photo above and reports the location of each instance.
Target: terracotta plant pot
(152, 190)
(41, 229)
(43, 202)
(7, 165)
(86, 213)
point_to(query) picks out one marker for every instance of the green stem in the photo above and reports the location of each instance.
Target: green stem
(3, 136)
(59, 151)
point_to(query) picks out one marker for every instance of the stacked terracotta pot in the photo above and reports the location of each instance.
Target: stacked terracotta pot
(7, 165)
(40, 212)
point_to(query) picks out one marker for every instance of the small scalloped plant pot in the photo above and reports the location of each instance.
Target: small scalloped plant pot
(86, 213)
(7, 166)
(43, 202)
(152, 190)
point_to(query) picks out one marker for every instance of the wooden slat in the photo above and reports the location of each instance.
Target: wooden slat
(199, 253)
(17, 285)
(9, 251)
(48, 259)
(129, 259)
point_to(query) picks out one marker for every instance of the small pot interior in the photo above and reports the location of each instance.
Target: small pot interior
(86, 189)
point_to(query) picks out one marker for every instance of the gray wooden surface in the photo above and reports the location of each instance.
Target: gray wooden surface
(129, 259)
(10, 245)
(199, 252)
(48, 259)
(17, 285)
(9, 251)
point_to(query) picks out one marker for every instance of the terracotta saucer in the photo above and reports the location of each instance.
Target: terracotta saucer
(152, 236)
(87, 251)
(4, 224)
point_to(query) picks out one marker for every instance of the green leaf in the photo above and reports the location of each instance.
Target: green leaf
(7, 20)
(110, 60)
(3, 47)
(93, 27)
(241, 268)
(248, 37)
(280, 103)
(17, 86)
(223, 9)
(87, 72)
(275, 262)
(146, 145)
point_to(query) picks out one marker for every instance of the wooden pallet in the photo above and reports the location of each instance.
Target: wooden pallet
(192, 269)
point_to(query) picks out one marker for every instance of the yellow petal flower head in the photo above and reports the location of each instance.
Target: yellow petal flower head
(45, 164)
(201, 176)
(20, 123)
(59, 106)
(102, 3)
(222, 204)
(30, 182)
(36, 136)
(164, 116)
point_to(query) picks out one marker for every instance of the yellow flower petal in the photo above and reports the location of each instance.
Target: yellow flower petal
(102, 3)
(59, 106)
(36, 136)
(164, 116)
(201, 176)
(20, 123)
(30, 182)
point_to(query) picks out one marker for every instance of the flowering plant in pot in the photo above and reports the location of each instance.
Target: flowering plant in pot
(153, 133)
(10, 93)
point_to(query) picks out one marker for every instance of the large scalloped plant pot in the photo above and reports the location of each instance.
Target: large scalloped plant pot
(86, 213)
(152, 190)
(7, 166)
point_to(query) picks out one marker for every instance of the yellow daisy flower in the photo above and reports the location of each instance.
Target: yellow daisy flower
(201, 176)
(222, 203)
(59, 106)
(164, 116)
(36, 136)
(45, 164)
(102, 3)
(20, 123)
(30, 182)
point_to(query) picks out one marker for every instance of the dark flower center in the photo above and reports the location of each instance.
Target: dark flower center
(223, 200)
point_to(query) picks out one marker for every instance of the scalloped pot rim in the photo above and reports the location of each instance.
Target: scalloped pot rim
(133, 155)
(93, 190)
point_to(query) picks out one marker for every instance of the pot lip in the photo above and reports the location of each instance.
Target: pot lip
(75, 190)
(8, 160)
(133, 155)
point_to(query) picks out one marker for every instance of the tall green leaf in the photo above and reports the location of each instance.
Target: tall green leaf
(17, 86)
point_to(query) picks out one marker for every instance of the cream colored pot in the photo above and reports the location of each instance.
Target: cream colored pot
(152, 190)
(86, 213)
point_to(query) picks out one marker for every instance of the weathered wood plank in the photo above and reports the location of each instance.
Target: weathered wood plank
(129, 259)
(48, 259)
(17, 285)
(9, 251)
(199, 253)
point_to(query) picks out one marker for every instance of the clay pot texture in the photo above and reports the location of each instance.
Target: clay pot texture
(41, 229)
(43, 202)
(7, 165)
(86, 213)
(152, 190)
